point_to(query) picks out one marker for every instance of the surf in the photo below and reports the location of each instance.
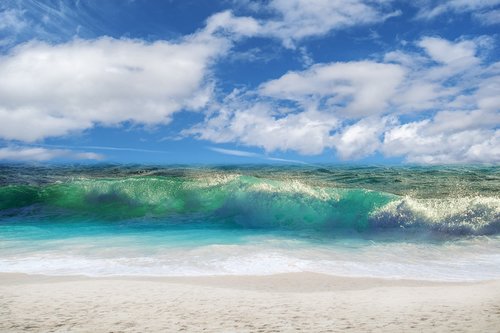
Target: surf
(305, 200)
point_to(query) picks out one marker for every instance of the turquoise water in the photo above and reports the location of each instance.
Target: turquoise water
(429, 223)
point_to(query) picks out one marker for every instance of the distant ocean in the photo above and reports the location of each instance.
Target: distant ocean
(436, 223)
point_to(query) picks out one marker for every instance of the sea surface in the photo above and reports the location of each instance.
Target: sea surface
(432, 223)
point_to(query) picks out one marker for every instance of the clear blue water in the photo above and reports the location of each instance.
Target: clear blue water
(438, 223)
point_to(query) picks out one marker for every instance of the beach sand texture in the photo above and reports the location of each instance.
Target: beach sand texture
(296, 302)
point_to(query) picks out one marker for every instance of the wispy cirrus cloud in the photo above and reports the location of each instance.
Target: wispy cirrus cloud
(138, 150)
(292, 21)
(39, 154)
(486, 11)
(244, 153)
(488, 17)
(234, 152)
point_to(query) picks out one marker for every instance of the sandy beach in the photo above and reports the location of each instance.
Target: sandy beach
(297, 302)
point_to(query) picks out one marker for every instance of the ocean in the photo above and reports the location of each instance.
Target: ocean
(429, 223)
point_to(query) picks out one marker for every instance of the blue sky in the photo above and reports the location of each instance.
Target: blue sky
(293, 81)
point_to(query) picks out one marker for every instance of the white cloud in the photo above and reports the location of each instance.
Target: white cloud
(42, 20)
(489, 17)
(351, 88)
(299, 19)
(226, 22)
(488, 92)
(234, 152)
(39, 154)
(432, 79)
(356, 107)
(484, 10)
(12, 20)
(361, 139)
(51, 90)
(446, 52)
(243, 153)
(139, 150)
(442, 77)
(450, 137)
(264, 126)
(294, 20)
(12, 23)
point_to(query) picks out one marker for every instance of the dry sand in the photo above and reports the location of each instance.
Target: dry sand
(299, 302)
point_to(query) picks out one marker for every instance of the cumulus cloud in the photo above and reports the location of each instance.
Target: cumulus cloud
(449, 137)
(446, 52)
(362, 138)
(441, 77)
(356, 107)
(234, 27)
(40, 154)
(56, 89)
(352, 88)
(263, 125)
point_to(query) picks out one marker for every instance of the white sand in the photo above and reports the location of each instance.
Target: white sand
(281, 303)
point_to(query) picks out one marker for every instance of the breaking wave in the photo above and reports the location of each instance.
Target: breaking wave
(247, 201)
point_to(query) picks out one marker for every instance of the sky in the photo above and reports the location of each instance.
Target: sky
(275, 81)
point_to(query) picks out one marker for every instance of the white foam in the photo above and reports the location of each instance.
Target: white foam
(470, 260)
(452, 215)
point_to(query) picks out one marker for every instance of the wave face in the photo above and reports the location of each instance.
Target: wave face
(447, 201)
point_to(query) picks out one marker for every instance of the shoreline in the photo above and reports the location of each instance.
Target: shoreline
(288, 281)
(289, 302)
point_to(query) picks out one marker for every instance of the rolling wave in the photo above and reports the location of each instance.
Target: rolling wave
(249, 201)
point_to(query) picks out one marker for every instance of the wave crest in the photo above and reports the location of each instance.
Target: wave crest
(460, 216)
(251, 202)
